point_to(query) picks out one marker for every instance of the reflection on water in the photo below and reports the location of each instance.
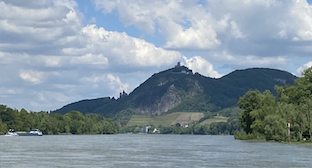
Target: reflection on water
(137, 150)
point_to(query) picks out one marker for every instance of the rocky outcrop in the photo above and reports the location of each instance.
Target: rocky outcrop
(170, 100)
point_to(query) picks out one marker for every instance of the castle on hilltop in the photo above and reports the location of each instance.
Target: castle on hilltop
(178, 65)
(181, 69)
(123, 94)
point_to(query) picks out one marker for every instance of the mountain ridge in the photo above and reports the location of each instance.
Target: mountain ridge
(179, 89)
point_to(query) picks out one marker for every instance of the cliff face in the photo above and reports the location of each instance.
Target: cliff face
(178, 89)
(167, 102)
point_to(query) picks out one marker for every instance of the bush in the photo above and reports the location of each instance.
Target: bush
(242, 135)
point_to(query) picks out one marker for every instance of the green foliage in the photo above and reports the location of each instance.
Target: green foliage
(73, 122)
(234, 112)
(196, 92)
(197, 103)
(248, 102)
(124, 116)
(3, 127)
(267, 115)
(194, 128)
(227, 128)
(242, 135)
(129, 129)
(274, 128)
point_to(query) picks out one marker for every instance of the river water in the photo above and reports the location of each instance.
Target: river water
(137, 150)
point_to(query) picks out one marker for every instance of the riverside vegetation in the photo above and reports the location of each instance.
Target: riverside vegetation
(73, 122)
(265, 116)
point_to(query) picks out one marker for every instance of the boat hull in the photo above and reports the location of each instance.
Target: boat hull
(28, 134)
(11, 134)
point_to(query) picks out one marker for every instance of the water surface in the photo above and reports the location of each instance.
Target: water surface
(139, 150)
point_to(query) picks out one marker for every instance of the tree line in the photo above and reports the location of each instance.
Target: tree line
(73, 122)
(265, 116)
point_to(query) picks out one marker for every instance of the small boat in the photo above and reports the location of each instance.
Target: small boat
(33, 132)
(11, 133)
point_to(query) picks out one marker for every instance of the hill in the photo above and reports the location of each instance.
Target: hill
(180, 90)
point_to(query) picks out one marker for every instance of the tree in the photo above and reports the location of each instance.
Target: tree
(274, 128)
(248, 102)
(27, 121)
(267, 106)
(3, 127)
(9, 117)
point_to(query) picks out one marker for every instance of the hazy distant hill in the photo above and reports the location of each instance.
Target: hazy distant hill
(178, 89)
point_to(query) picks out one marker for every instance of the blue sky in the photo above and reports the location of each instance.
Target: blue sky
(55, 52)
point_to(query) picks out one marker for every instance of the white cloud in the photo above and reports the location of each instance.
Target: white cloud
(236, 33)
(90, 59)
(202, 66)
(112, 81)
(32, 76)
(116, 84)
(283, 34)
(304, 67)
(9, 91)
(245, 61)
(240, 27)
(123, 49)
(172, 17)
(200, 36)
(49, 21)
(302, 12)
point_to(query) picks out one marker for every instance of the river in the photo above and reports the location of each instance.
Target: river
(139, 150)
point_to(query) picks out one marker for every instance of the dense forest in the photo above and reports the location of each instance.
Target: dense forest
(265, 116)
(73, 122)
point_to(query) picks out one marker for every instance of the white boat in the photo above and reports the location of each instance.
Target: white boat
(11, 133)
(33, 132)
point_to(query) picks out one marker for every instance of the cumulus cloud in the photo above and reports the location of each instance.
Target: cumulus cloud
(199, 64)
(245, 61)
(123, 49)
(240, 27)
(112, 81)
(32, 76)
(235, 31)
(90, 59)
(33, 27)
(304, 67)
(116, 84)
(184, 24)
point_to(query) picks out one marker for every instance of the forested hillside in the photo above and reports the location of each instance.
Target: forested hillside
(265, 115)
(180, 90)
